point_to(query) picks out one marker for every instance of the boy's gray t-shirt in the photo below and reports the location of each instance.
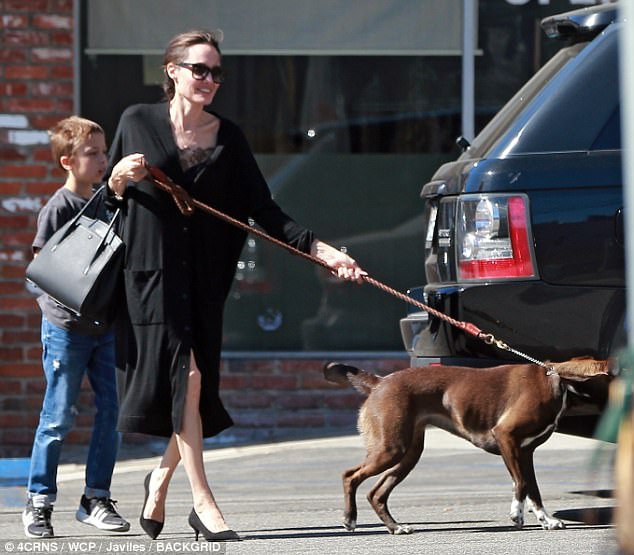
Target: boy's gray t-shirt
(60, 208)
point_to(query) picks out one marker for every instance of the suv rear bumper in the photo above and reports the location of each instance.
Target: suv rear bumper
(530, 327)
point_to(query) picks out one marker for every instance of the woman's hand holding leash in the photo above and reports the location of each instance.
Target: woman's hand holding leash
(130, 168)
(340, 264)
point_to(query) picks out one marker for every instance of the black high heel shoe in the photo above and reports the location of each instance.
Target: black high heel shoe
(151, 527)
(200, 528)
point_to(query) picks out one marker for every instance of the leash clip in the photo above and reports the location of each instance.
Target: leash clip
(490, 339)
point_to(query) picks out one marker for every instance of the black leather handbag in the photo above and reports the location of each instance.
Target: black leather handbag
(80, 265)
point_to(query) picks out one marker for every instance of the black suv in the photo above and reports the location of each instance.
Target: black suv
(525, 229)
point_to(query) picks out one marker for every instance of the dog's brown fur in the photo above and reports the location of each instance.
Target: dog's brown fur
(506, 410)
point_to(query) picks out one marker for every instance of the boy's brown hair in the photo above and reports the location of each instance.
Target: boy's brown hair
(66, 135)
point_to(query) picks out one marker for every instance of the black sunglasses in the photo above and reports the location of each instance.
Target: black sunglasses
(200, 72)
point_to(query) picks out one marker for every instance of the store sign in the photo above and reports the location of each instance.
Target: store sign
(280, 27)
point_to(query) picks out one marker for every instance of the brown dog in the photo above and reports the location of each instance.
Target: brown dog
(506, 410)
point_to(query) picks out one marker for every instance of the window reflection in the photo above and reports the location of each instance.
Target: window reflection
(346, 143)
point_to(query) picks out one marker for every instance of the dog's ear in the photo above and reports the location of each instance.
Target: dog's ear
(361, 380)
(582, 369)
(336, 372)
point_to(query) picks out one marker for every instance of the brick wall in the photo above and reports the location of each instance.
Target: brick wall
(267, 398)
(271, 398)
(36, 90)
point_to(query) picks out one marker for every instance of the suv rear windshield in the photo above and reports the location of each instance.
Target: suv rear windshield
(537, 120)
(505, 117)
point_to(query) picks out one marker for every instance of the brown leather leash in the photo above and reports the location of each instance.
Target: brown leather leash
(186, 204)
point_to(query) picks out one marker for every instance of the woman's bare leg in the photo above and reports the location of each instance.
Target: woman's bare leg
(159, 481)
(190, 446)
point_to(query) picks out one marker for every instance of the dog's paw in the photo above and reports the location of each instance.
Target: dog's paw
(547, 522)
(349, 525)
(517, 519)
(552, 524)
(402, 529)
(517, 513)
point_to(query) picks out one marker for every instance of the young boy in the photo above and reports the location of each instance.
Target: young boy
(73, 346)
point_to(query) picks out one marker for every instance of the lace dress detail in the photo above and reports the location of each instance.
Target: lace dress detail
(192, 156)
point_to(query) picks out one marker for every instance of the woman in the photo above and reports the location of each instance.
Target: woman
(179, 269)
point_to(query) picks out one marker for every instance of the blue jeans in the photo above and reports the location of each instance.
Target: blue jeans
(66, 357)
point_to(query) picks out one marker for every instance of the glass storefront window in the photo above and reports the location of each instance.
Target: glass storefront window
(346, 143)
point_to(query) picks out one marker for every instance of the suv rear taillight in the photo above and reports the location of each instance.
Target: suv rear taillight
(493, 238)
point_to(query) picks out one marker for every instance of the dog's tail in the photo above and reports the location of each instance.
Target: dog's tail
(362, 381)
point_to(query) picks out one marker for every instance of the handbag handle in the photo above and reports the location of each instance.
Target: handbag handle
(102, 242)
(76, 218)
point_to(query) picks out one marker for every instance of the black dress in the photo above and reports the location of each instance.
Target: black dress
(179, 269)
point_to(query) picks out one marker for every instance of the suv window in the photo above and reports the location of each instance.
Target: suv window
(507, 115)
(535, 121)
(545, 124)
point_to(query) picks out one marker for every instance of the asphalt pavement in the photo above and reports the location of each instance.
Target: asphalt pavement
(285, 498)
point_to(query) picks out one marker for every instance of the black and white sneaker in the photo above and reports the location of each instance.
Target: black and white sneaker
(100, 512)
(37, 521)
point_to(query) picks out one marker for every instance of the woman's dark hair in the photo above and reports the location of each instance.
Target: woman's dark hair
(176, 50)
